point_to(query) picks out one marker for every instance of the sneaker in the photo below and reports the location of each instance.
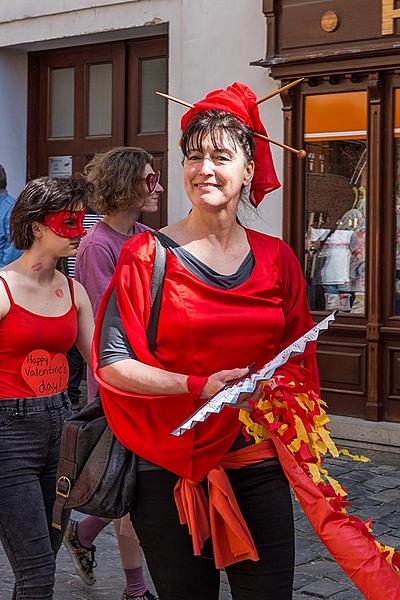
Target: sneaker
(82, 558)
(146, 596)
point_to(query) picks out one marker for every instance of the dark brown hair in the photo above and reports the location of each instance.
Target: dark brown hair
(115, 175)
(41, 197)
(212, 123)
(3, 178)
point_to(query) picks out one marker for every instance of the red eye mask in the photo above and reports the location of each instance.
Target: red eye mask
(66, 223)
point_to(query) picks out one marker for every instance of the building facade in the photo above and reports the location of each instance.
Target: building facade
(78, 76)
(341, 209)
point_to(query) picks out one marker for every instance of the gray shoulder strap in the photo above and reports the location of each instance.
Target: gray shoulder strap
(157, 284)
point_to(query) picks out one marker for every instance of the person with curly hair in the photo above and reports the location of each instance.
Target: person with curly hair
(125, 185)
(42, 313)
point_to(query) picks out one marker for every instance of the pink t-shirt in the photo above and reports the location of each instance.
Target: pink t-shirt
(95, 263)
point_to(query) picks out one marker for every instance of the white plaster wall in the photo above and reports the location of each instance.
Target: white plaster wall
(219, 40)
(13, 117)
(25, 9)
(47, 23)
(211, 45)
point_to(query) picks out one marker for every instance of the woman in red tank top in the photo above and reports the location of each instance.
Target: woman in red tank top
(42, 314)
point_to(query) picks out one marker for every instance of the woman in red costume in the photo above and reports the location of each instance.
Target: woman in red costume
(231, 297)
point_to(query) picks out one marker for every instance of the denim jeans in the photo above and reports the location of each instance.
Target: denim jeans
(30, 434)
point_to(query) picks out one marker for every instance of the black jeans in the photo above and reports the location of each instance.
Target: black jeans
(30, 433)
(264, 499)
(76, 368)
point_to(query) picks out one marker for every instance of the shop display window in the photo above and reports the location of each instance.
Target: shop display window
(397, 200)
(335, 201)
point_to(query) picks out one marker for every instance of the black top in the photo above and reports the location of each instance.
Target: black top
(202, 271)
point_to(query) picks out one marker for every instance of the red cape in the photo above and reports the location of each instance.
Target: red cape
(202, 330)
(351, 546)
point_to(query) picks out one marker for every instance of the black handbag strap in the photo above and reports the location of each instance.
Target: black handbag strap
(323, 242)
(157, 284)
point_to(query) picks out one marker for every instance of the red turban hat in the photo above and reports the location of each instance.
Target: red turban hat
(239, 100)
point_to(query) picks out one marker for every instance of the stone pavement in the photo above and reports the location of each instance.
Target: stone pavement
(374, 492)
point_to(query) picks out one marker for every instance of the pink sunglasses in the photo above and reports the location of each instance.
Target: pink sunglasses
(152, 179)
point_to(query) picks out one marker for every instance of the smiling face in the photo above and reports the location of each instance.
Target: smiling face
(149, 199)
(215, 173)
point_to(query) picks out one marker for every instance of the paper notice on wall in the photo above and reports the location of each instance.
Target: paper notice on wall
(60, 166)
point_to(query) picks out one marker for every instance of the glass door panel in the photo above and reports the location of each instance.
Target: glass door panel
(62, 98)
(100, 99)
(335, 201)
(153, 78)
(146, 126)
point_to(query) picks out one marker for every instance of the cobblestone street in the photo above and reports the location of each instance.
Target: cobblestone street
(374, 492)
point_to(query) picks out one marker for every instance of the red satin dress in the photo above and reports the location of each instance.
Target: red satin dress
(202, 330)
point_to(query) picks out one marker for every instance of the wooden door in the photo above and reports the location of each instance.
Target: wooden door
(390, 208)
(76, 106)
(90, 99)
(146, 113)
(335, 217)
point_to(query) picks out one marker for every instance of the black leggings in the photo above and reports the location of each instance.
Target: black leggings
(264, 499)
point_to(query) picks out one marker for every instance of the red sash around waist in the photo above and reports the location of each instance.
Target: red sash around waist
(220, 515)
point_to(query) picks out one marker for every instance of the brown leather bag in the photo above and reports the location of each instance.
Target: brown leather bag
(96, 474)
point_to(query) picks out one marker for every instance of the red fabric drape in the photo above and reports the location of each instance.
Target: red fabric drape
(220, 516)
(201, 330)
(356, 553)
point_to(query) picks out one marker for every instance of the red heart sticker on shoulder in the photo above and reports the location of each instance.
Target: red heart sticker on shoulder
(45, 374)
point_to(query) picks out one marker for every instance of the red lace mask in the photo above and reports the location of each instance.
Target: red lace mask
(66, 223)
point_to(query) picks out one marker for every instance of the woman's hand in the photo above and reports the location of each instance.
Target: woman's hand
(244, 397)
(217, 381)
